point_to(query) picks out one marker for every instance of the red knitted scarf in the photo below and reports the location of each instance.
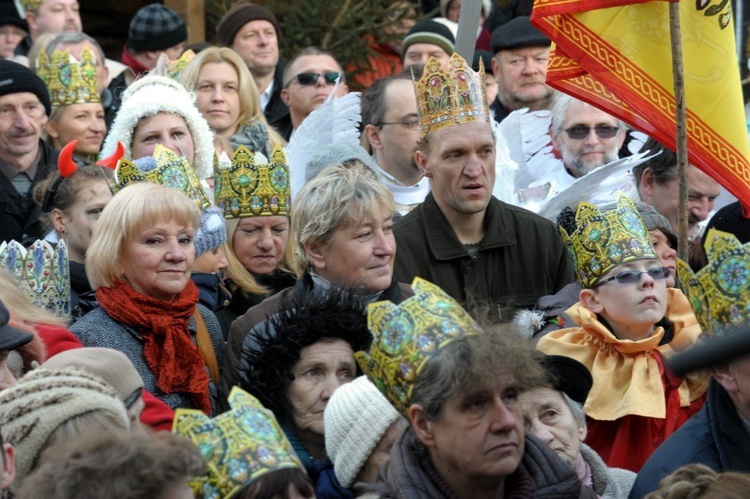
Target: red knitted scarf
(167, 347)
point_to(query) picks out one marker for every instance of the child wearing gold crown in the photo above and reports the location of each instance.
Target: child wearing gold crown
(627, 322)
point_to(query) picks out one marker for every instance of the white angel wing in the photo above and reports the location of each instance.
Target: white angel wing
(529, 145)
(599, 187)
(505, 167)
(335, 121)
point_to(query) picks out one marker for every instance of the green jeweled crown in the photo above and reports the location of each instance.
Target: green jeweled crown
(239, 445)
(603, 240)
(406, 336)
(166, 168)
(30, 5)
(450, 97)
(69, 81)
(41, 271)
(252, 187)
(720, 292)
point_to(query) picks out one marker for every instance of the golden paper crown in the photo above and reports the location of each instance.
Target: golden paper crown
(450, 97)
(720, 292)
(603, 240)
(69, 81)
(253, 189)
(41, 271)
(31, 5)
(172, 69)
(240, 445)
(407, 336)
(166, 168)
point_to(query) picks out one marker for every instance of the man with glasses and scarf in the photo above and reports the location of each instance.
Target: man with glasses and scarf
(310, 78)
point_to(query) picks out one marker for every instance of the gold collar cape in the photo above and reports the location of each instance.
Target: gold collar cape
(627, 378)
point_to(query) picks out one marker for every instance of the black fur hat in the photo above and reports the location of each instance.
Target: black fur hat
(266, 366)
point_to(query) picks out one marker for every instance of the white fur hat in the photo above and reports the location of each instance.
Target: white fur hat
(149, 96)
(356, 418)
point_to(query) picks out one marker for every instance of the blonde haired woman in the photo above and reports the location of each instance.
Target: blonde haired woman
(226, 95)
(139, 263)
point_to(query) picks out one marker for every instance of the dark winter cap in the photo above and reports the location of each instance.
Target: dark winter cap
(156, 27)
(430, 32)
(16, 78)
(568, 376)
(239, 15)
(9, 16)
(517, 33)
(10, 337)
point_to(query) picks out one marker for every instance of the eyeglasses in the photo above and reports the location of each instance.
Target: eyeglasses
(633, 276)
(411, 124)
(309, 79)
(579, 132)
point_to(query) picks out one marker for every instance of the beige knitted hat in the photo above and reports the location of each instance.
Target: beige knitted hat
(112, 366)
(42, 401)
(356, 418)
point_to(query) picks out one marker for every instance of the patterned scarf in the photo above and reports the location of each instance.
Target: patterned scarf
(167, 347)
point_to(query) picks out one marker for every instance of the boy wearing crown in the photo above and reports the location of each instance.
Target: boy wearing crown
(719, 435)
(627, 322)
(461, 237)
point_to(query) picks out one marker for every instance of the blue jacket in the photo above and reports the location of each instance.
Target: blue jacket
(715, 437)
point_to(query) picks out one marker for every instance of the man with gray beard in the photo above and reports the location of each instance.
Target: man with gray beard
(585, 136)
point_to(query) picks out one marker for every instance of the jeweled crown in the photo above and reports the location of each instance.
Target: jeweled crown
(68, 80)
(603, 240)
(720, 292)
(239, 445)
(30, 5)
(252, 186)
(172, 69)
(408, 335)
(41, 271)
(165, 167)
(447, 97)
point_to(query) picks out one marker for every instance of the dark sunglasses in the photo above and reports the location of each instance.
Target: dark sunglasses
(633, 276)
(308, 79)
(579, 132)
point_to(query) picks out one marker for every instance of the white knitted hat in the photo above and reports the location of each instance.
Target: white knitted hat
(356, 417)
(149, 96)
(43, 400)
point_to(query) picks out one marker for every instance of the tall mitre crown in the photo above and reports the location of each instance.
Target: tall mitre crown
(240, 445)
(604, 239)
(450, 97)
(68, 80)
(408, 335)
(166, 168)
(41, 271)
(252, 186)
(720, 292)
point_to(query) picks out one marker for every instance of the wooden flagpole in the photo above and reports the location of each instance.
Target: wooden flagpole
(681, 122)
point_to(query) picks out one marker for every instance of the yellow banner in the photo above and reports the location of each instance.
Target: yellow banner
(616, 54)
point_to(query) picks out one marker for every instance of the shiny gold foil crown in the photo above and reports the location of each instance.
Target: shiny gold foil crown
(603, 240)
(240, 445)
(68, 80)
(166, 168)
(252, 186)
(720, 292)
(450, 97)
(407, 336)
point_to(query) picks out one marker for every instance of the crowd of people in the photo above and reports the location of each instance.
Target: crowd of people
(228, 275)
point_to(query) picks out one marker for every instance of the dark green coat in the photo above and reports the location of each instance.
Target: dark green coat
(520, 259)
